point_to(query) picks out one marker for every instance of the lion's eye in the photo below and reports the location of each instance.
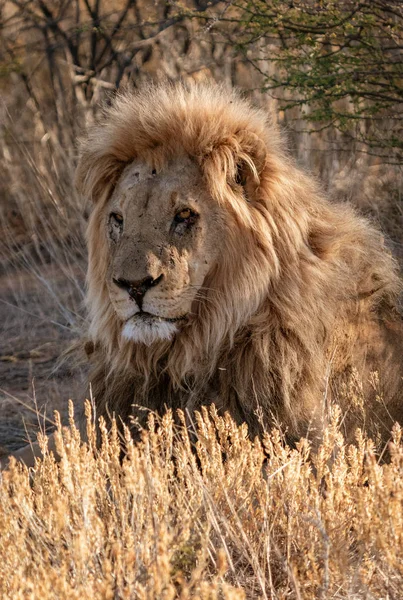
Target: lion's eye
(185, 215)
(183, 221)
(117, 217)
(115, 226)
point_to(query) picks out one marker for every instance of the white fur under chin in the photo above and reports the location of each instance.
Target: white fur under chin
(146, 333)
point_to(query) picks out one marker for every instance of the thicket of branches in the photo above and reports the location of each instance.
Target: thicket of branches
(339, 61)
(79, 48)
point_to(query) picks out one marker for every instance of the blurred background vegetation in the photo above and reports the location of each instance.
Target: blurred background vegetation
(330, 72)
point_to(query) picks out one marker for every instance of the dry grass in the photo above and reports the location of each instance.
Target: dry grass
(219, 518)
(42, 272)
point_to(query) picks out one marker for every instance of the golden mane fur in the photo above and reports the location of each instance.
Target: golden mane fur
(324, 303)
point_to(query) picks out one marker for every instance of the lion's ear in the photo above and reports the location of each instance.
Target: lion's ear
(254, 148)
(250, 161)
(96, 173)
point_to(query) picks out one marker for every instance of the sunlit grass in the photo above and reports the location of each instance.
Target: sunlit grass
(220, 517)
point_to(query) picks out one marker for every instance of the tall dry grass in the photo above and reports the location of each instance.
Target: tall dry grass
(42, 274)
(223, 517)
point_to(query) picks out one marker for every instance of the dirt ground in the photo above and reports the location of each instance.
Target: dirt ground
(34, 334)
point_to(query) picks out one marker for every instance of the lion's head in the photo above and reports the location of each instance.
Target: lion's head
(164, 234)
(179, 239)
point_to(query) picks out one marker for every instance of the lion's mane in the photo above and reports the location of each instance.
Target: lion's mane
(319, 269)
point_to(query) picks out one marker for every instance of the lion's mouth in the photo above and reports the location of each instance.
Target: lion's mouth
(146, 328)
(146, 317)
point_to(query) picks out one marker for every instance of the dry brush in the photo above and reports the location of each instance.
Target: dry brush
(220, 517)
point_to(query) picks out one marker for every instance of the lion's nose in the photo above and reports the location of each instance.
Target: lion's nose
(137, 289)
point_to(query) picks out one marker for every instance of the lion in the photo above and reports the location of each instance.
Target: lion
(219, 273)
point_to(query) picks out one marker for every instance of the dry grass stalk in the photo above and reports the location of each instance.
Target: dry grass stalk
(221, 518)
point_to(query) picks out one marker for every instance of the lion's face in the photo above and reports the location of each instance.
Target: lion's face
(164, 235)
(182, 241)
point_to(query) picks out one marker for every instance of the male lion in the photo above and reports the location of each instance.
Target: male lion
(219, 273)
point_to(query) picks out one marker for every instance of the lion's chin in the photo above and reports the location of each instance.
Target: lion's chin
(149, 330)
